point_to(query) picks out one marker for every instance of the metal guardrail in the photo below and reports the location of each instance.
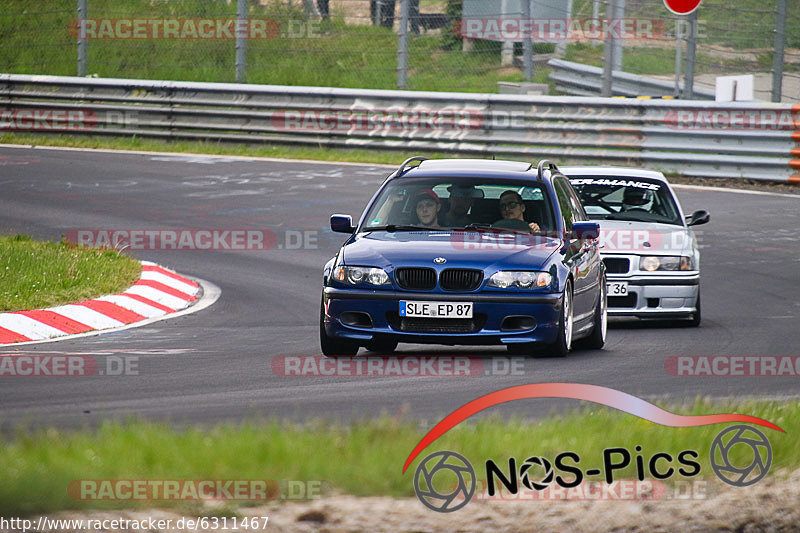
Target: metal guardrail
(690, 138)
(586, 80)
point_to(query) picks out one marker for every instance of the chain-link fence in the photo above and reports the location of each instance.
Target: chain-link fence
(721, 38)
(451, 45)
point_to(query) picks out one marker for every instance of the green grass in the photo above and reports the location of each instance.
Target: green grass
(648, 60)
(343, 54)
(661, 61)
(43, 274)
(372, 156)
(338, 54)
(745, 24)
(362, 459)
(389, 157)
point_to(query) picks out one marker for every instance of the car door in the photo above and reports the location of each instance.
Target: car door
(582, 256)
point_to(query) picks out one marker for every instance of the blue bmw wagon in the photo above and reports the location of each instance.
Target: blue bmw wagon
(466, 252)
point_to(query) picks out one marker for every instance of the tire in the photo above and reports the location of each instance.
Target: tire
(697, 316)
(333, 347)
(383, 347)
(563, 343)
(597, 339)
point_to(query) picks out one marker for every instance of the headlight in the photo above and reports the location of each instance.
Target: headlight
(651, 263)
(360, 275)
(523, 280)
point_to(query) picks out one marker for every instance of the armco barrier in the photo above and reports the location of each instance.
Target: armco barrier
(586, 80)
(691, 138)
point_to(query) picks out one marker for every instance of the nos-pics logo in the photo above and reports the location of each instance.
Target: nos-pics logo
(445, 481)
(734, 475)
(449, 471)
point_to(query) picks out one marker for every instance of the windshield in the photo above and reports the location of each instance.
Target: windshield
(461, 203)
(625, 198)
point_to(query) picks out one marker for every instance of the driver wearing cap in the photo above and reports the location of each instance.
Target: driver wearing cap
(427, 206)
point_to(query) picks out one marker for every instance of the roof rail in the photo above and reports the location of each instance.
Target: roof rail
(550, 166)
(407, 162)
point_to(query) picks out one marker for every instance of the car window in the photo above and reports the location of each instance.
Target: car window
(460, 202)
(626, 198)
(564, 201)
(577, 207)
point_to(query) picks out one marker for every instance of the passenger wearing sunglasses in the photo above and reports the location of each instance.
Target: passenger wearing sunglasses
(512, 209)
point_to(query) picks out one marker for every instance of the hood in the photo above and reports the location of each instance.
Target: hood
(627, 237)
(472, 249)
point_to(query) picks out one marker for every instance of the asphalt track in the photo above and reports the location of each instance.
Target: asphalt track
(214, 365)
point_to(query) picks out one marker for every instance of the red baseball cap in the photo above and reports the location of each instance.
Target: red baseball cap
(427, 193)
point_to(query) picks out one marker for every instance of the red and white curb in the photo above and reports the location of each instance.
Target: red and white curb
(159, 293)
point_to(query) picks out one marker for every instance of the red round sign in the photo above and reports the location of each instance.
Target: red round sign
(682, 7)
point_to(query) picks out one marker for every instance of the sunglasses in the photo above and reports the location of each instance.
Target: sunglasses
(509, 205)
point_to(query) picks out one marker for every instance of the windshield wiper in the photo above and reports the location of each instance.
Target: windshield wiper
(476, 225)
(626, 216)
(399, 227)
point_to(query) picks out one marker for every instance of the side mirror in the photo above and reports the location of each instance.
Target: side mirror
(698, 217)
(586, 230)
(342, 224)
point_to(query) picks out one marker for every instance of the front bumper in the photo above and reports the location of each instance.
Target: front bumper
(656, 296)
(490, 314)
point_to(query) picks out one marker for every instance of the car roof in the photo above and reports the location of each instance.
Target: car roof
(627, 172)
(487, 168)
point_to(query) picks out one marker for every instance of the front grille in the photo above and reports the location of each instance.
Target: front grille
(617, 265)
(416, 279)
(628, 300)
(436, 325)
(460, 279)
